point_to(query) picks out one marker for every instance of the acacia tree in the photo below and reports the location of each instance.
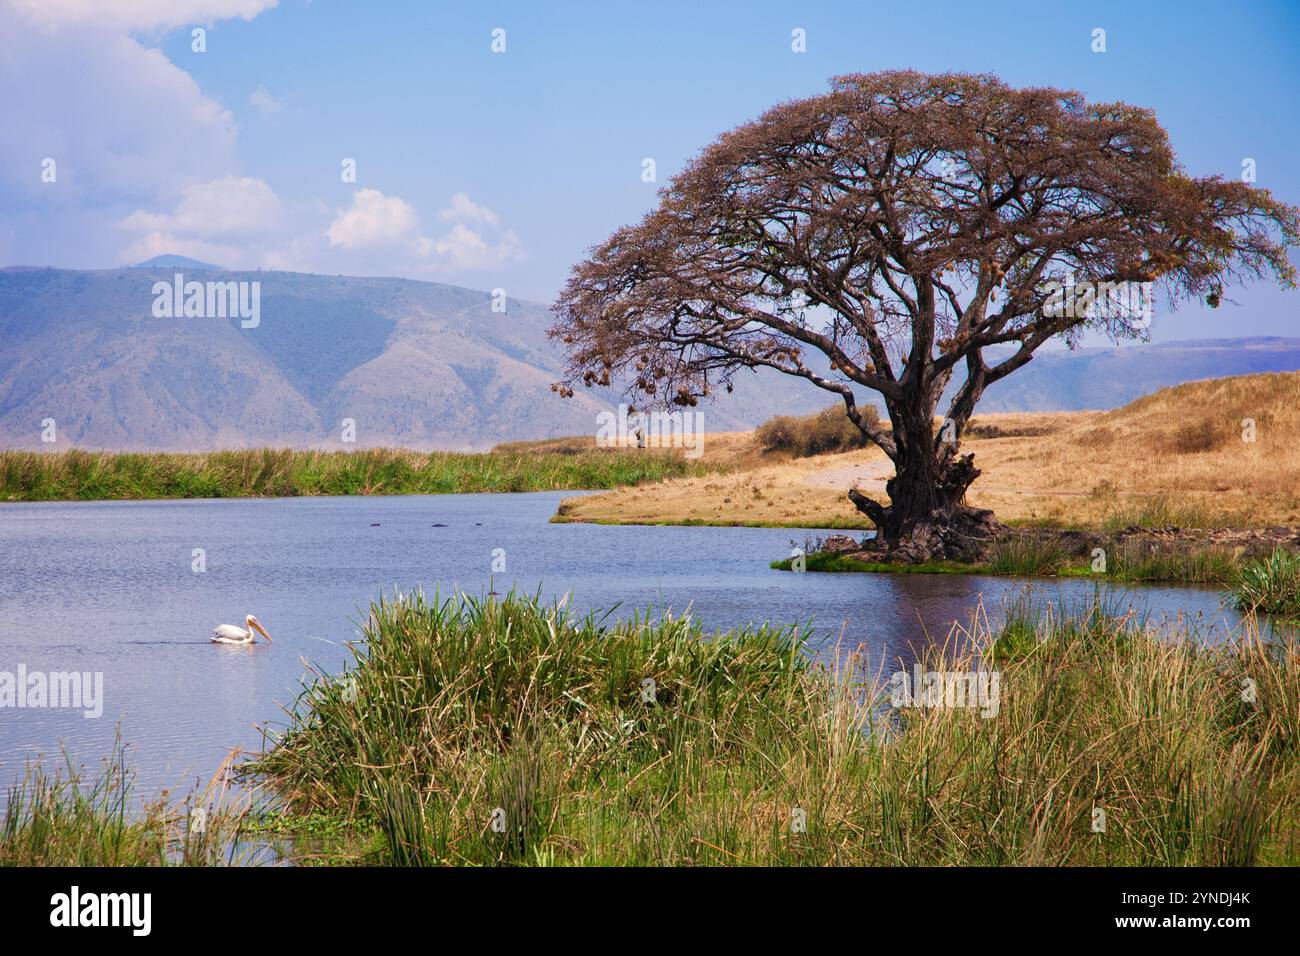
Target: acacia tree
(899, 229)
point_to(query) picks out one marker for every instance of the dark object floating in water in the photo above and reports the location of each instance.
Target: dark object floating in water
(374, 524)
(478, 524)
(438, 525)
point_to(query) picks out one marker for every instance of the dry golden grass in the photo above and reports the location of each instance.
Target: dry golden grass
(769, 495)
(1180, 455)
(750, 487)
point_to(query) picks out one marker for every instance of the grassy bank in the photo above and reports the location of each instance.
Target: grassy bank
(458, 713)
(561, 516)
(825, 561)
(1267, 586)
(272, 472)
(1207, 454)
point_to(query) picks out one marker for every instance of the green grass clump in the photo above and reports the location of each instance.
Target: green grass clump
(1137, 562)
(1271, 585)
(1032, 556)
(283, 472)
(459, 707)
(460, 712)
(64, 819)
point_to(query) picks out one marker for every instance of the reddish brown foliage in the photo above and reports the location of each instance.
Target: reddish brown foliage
(918, 218)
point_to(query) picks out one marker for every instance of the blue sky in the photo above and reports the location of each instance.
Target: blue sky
(499, 170)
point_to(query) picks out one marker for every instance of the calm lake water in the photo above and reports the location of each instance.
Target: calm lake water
(109, 587)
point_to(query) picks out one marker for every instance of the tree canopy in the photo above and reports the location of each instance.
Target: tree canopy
(900, 225)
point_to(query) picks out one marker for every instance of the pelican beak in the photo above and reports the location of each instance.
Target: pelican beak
(261, 630)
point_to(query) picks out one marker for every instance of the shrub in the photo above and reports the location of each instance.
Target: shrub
(1193, 438)
(1100, 437)
(827, 431)
(978, 428)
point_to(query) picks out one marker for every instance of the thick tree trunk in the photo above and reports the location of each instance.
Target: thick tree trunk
(926, 519)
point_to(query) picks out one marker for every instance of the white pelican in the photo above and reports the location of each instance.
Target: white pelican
(229, 634)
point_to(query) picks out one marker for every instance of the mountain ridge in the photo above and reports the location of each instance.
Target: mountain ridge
(421, 364)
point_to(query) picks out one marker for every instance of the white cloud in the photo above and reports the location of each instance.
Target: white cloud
(126, 127)
(230, 206)
(464, 249)
(464, 208)
(121, 121)
(264, 102)
(378, 220)
(137, 14)
(373, 219)
(148, 164)
(382, 233)
(239, 222)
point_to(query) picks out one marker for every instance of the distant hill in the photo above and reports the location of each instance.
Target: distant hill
(1103, 378)
(170, 261)
(412, 363)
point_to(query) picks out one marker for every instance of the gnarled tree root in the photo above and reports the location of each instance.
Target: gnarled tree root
(954, 533)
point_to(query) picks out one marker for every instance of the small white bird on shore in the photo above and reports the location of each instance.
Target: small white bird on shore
(229, 634)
